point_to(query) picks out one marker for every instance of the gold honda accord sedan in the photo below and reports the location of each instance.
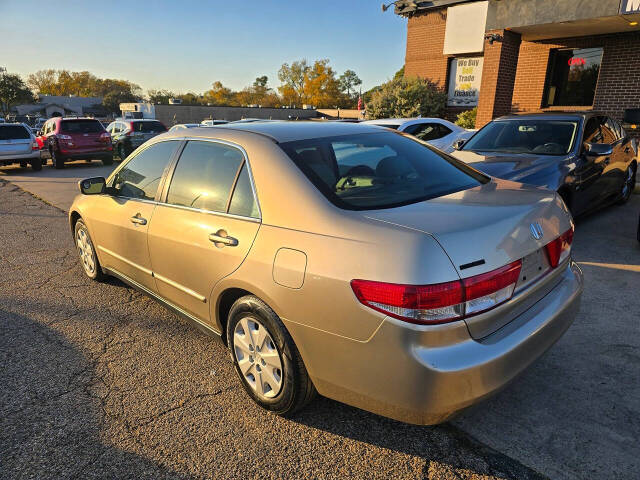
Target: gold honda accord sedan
(342, 259)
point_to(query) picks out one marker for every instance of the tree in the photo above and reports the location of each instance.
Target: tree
(261, 82)
(407, 97)
(13, 91)
(349, 80)
(158, 97)
(112, 100)
(293, 78)
(220, 95)
(305, 84)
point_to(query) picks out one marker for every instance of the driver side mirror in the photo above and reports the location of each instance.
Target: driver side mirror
(92, 186)
(458, 144)
(597, 149)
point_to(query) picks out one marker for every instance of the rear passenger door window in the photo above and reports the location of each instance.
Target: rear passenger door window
(205, 176)
(140, 176)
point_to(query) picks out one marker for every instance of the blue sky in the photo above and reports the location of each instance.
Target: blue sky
(185, 45)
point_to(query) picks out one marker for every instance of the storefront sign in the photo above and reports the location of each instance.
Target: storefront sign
(464, 81)
(577, 61)
(629, 6)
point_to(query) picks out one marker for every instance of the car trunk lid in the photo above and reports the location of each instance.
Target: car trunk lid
(488, 227)
(85, 134)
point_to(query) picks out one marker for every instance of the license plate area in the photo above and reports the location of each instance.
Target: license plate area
(534, 266)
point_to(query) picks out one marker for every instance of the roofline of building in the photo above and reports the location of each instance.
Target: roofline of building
(406, 8)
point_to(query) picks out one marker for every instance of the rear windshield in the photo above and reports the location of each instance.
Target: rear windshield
(81, 126)
(379, 170)
(13, 132)
(540, 137)
(148, 127)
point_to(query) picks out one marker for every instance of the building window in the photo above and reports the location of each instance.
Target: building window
(573, 75)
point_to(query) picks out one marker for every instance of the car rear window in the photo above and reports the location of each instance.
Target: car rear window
(81, 126)
(148, 127)
(379, 170)
(13, 132)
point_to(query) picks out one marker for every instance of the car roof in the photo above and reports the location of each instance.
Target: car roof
(389, 121)
(286, 131)
(557, 114)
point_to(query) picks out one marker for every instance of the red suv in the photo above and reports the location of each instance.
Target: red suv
(67, 139)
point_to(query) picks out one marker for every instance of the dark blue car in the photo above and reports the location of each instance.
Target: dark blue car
(587, 157)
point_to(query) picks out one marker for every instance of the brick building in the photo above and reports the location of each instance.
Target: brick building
(521, 55)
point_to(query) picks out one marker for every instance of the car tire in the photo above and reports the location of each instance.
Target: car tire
(122, 151)
(87, 252)
(295, 389)
(56, 160)
(628, 185)
(36, 164)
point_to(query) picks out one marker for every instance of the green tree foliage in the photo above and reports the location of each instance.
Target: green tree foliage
(467, 119)
(349, 81)
(160, 97)
(113, 99)
(407, 97)
(13, 91)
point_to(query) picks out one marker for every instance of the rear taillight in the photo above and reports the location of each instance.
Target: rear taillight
(560, 248)
(441, 302)
(34, 145)
(130, 132)
(428, 304)
(487, 290)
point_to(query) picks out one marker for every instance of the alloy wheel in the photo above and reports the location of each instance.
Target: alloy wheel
(258, 357)
(628, 185)
(85, 250)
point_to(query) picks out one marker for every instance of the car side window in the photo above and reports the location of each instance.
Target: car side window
(140, 176)
(243, 202)
(608, 133)
(205, 175)
(592, 133)
(429, 131)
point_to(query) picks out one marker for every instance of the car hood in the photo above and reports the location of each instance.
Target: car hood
(489, 224)
(508, 166)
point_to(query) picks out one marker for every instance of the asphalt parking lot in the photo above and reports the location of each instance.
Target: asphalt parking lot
(99, 381)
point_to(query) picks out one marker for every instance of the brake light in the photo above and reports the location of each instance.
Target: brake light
(35, 146)
(441, 302)
(427, 304)
(130, 132)
(560, 248)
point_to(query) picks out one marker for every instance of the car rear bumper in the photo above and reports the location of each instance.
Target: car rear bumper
(85, 155)
(17, 158)
(424, 375)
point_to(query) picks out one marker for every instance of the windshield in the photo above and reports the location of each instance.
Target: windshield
(540, 137)
(379, 170)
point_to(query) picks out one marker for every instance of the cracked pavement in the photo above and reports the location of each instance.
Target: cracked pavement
(99, 381)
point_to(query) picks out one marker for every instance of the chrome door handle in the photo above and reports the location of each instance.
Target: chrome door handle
(138, 220)
(221, 237)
